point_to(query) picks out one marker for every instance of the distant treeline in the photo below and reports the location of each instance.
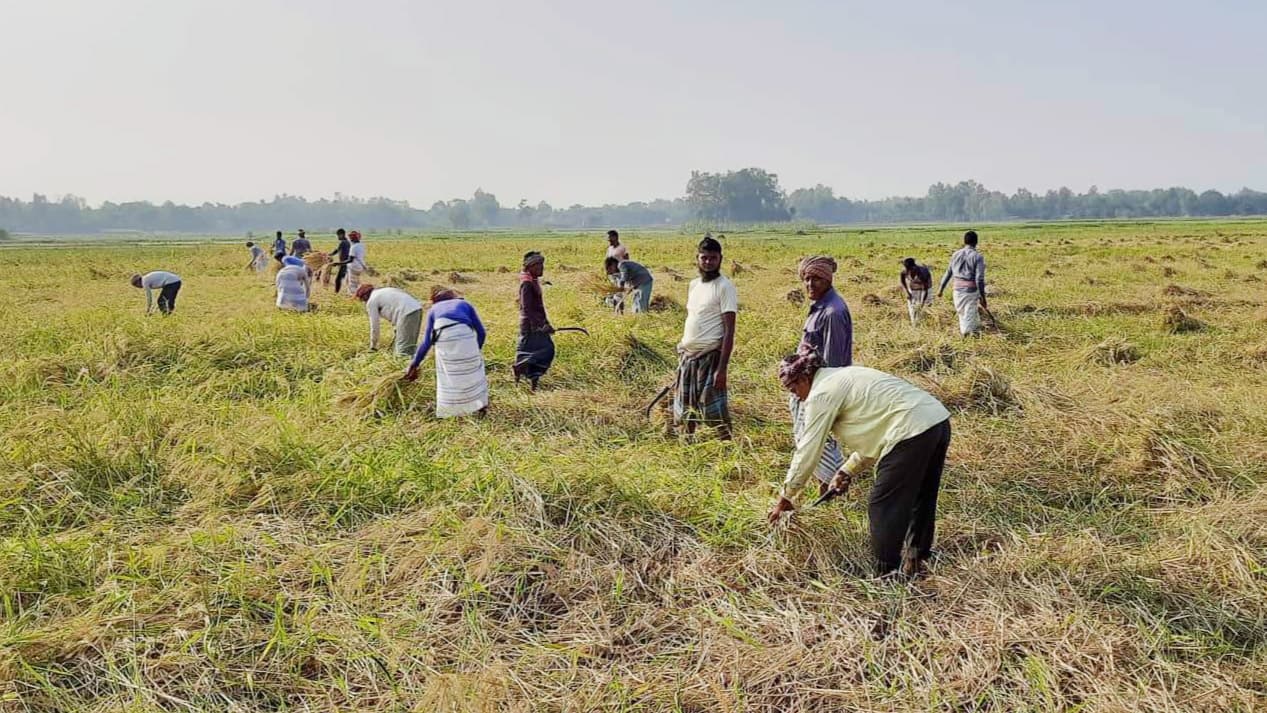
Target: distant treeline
(733, 197)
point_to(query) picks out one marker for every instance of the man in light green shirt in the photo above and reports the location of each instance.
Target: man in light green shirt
(879, 419)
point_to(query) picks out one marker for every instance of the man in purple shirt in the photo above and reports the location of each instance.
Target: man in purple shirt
(829, 333)
(829, 327)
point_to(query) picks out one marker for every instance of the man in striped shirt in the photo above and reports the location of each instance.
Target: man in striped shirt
(967, 268)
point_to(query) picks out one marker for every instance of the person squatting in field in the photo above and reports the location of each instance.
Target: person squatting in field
(341, 257)
(455, 330)
(398, 307)
(708, 338)
(167, 284)
(828, 332)
(917, 282)
(535, 351)
(634, 279)
(967, 268)
(885, 421)
(294, 284)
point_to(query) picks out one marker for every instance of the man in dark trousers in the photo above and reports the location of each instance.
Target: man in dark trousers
(342, 255)
(535, 352)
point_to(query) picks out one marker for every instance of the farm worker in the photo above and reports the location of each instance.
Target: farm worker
(356, 262)
(615, 248)
(634, 279)
(167, 284)
(917, 282)
(279, 247)
(340, 253)
(294, 284)
(828, 332)
(707, 340)
(300, 245)
(883, 420)
(535, 351)
(258, 260)
(454, 329)
(967, 267)
(396, 306)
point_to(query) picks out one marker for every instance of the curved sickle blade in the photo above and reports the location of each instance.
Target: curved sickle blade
(582, 330)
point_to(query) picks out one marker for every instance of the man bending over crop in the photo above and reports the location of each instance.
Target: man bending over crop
(917, 283)
(167, 284)
(396, 306)
(886, 421)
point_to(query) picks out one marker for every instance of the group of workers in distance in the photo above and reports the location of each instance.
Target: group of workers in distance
(880, 421)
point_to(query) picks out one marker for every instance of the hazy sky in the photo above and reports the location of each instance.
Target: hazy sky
(592, 101)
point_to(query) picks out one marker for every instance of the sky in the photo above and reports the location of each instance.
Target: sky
(597, 102)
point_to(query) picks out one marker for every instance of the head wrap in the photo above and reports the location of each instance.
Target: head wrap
(709, 245)
(363, 292)
(533, 258)
(795, 366)
(440, 293)
(354, 236)
(818, 266)
(292, 260)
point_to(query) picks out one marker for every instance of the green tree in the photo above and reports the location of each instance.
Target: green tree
(485, 208)
(459, 213)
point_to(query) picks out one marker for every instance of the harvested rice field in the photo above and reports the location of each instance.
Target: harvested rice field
(239, 509)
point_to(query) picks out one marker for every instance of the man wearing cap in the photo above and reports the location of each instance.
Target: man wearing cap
(828, 332)
(699, 396)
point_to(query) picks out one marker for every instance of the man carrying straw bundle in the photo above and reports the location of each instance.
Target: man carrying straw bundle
(396, 306)
(917, 282)
(454, 329)
(828, 332)
(967, 268)
(708, 338)
(535, 352)
(884, 420)
(167, 284)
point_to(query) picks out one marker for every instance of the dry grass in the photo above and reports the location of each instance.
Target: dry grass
(1113, 351)
(240, 509)
(1177, 321)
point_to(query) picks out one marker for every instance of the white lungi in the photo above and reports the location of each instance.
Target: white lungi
(461, 385)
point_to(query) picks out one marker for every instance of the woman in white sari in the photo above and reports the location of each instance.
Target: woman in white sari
(453, 327)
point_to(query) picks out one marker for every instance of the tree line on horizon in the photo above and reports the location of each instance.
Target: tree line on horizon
(748, 195)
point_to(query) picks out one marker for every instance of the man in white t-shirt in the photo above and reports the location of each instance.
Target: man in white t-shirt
(398, 307)
(707, 341)
(167, 284)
